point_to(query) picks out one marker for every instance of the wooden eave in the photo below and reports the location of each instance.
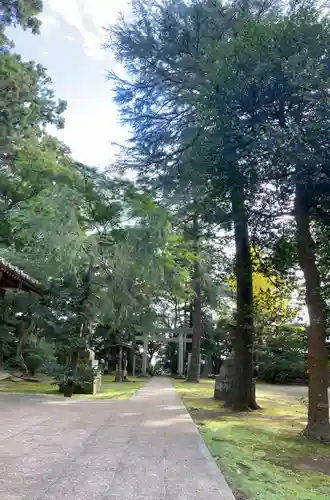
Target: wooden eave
(13, 277)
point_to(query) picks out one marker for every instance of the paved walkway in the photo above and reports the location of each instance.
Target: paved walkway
(147, 448)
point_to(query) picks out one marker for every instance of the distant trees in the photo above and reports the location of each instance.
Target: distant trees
(102, 249)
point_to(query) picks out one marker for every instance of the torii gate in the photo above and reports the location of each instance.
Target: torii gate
(181, 340)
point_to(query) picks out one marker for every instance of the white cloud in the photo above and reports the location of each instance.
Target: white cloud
(71, 38)
(92, 121)
(91, 132)
(98, 13)
(48, 22)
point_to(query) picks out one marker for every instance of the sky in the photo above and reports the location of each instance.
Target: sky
(70, 47)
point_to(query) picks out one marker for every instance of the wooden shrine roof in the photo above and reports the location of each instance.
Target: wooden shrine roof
(13, 277)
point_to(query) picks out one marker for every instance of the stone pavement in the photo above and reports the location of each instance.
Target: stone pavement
(147, 448)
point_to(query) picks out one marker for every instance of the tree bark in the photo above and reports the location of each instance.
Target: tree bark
(176, 315)
(75, 354)
(194, 369)
(243, 397)
(318, 426)
(21, 344)
(74, 362)
(85, 294)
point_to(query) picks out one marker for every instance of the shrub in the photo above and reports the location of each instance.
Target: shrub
(82, 380)
(51, 367)
(33, 362)
(282, 359)
(37, 354)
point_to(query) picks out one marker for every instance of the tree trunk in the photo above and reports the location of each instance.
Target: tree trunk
(21, 344)
(176, 315)
(243, 397)
(74, 362)
(194, 369)
(75, 354)
(318, 426)
(120, 363)
(83, 327)
(191, 314)
(1, 361)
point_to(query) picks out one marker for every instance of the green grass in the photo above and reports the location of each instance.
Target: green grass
(110, 390)
(262, 454)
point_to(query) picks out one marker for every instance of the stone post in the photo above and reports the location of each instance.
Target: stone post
(224, 381)
(91, 355)
(204, 369)
(189, 361)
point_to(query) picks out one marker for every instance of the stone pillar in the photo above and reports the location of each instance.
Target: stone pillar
(134, 365)
(204, 369)
(224, 381)
(91, 355)
(145, 355)
(97, 384)
(180, 355)
(189, 361)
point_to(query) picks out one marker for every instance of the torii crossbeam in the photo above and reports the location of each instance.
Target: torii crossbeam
(180, 339)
